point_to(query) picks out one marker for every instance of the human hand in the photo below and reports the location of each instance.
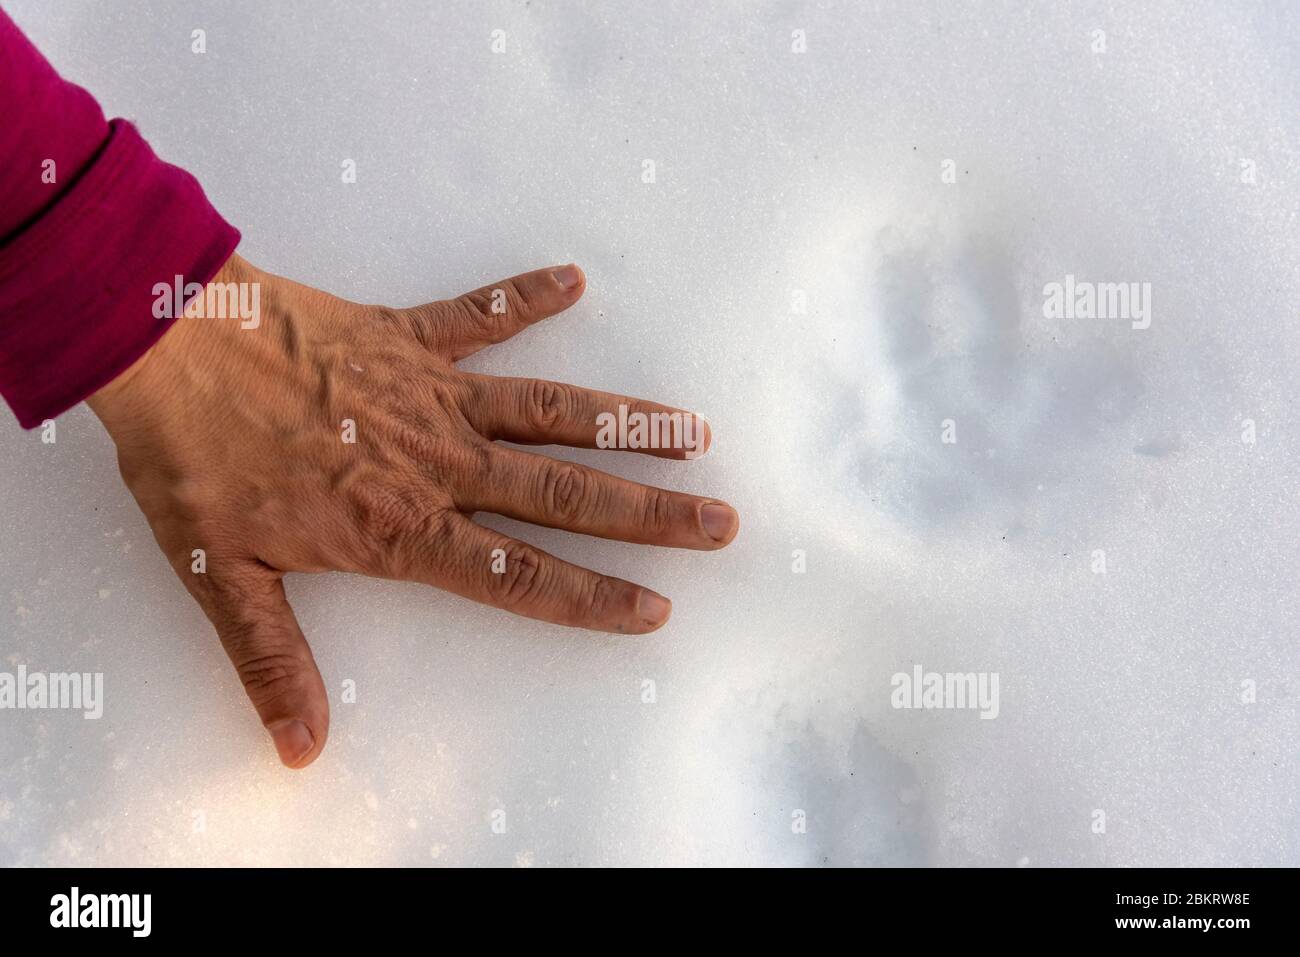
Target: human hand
(235, 443)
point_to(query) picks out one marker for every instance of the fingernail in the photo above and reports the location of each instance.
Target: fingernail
(292, 740)
(653, 608)
(719, 521)
(568, 276)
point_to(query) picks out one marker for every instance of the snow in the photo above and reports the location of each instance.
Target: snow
(780, 179)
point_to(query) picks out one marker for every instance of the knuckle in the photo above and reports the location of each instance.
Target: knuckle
(545, 404)
(564, 491)
(482, 463)
(521, 294)
(522, 579)
(269, 676)
(476, 311)
(380, 518)
(440, 397)
(418, 322)
(422, 539)
(477, 392)
(600, 598)
(401, 319)
(411, 435)
(435, 530)
(656, 510)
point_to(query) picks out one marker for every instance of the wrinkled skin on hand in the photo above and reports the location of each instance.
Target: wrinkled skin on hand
(232, 440)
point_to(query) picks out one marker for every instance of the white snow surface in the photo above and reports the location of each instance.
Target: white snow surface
(1171, 158)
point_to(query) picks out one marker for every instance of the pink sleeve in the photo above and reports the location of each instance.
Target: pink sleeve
(90, 221)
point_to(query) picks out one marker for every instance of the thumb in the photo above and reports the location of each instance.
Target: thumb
(260, 634)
